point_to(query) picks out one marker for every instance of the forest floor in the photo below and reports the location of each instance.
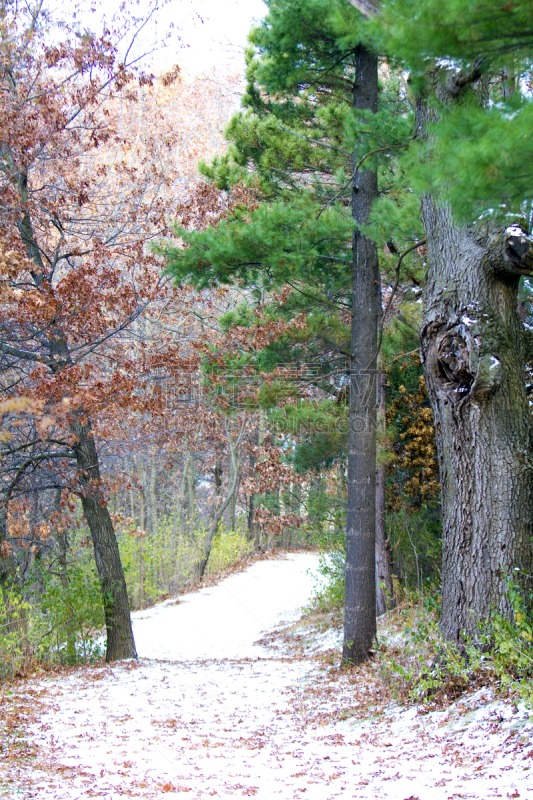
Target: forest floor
(235, 694)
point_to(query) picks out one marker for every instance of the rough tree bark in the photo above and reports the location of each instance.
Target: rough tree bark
(474, 348)
(120, 643)
(384, 585)
(360, 598)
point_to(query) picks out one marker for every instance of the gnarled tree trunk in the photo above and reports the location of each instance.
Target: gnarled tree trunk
(474, 351)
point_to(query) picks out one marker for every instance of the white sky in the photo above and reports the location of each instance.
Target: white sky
(214, 30)
(207, 33)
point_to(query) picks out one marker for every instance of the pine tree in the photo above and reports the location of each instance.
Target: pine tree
(307, 137)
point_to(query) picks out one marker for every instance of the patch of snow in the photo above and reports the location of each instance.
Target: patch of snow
(494, 362)
(515, 230)
(450, 64)
(467, 321)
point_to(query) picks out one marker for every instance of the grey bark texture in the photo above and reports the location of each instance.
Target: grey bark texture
(360, 596)
(474, 352)
(384, 583)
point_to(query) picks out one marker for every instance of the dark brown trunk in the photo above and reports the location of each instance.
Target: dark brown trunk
(360, 602)
(474, 352)
(218, 480)
(384, 583)
(120, 643)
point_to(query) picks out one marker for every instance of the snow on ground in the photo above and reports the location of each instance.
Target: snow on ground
(214, 715)
(224, 621)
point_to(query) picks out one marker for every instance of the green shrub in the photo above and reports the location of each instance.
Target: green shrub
(229, 547)
(511, 643)
(66, 617)
(416, 664)
(14, 648)
(165, 562)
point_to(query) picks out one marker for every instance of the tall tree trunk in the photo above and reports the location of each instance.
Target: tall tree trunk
(360, 602)
(219, 511)
(120, 643)
(62, 542)
(255, 533)
(474, 352)
(151, 506)
(143, 517)
(188, 501)
(384, 584)
(231, 510)
(219, 474)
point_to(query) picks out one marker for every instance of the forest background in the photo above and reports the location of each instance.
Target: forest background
(179, 422)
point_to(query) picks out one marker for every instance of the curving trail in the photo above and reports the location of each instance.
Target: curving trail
(206, 712)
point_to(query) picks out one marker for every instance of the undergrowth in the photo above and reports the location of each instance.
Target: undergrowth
(418, 666)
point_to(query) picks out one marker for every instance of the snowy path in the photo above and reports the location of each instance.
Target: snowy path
(224, 621)
(215, 715)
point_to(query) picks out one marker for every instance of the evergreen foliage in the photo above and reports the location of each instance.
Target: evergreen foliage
(479, 153)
